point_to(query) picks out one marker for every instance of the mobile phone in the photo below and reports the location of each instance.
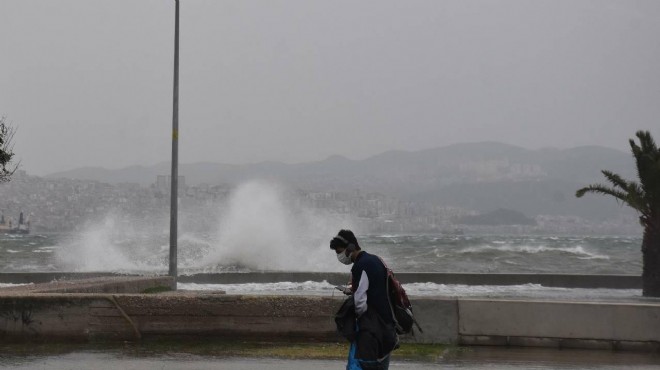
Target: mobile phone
(341, 288)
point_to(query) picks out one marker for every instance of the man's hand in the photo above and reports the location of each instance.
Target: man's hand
(344, 289)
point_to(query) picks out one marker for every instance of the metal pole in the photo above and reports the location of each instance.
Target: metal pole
(175, 150)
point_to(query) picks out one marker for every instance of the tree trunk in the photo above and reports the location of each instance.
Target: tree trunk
(651, 260)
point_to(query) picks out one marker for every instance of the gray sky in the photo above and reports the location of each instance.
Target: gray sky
(88, 82)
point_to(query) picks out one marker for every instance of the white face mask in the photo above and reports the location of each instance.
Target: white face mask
(343, 258)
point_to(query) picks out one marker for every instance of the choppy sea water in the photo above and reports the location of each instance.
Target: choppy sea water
(409, 253)
(527, 291)
(136, 253)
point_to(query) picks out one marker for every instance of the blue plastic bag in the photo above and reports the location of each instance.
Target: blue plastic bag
(353, 363)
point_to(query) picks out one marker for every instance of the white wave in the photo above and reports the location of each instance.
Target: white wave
(423, 290)
(93, 250)
(10, 285)
(99, 247)
(262, 230)
(12, 251)
(415, 257)
(29, 267)
(517, 291)
(279, 288)
(576, 250)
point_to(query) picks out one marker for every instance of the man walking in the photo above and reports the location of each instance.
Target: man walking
(375, 336)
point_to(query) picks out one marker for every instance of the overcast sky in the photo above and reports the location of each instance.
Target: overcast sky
(89, 82)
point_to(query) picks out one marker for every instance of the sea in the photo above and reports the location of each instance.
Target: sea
(104, 250)
(108, 250)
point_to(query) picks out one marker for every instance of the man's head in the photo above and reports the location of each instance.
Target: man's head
(346, 246)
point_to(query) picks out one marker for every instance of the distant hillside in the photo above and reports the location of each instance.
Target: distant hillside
(478, 176)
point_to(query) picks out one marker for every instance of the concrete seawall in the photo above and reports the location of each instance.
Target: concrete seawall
(117, 308)
(84, 317)
(560, 324)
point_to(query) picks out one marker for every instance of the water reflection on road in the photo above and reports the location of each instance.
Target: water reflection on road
(477, 358)
(546, 358)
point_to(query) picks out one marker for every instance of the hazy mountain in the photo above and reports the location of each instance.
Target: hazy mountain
(480, 176)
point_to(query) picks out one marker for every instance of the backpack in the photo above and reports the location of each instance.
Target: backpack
(402, 310)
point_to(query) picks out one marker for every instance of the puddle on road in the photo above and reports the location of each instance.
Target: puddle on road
(124, 356)
(549, 358)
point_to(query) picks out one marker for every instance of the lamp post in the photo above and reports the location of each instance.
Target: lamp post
(175, 151)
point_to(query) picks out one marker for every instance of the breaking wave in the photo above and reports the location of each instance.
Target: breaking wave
(259, 229)
(578, 250)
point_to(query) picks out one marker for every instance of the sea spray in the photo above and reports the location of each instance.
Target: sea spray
(115, 243)
(259, 227)
(264, 230)
(93, 250)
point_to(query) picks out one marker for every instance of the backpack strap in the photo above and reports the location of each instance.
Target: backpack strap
(388, 273)
(387, 289)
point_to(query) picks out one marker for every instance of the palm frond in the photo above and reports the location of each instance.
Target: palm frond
(637, 198)
(646, 142)
(601, 189)
(629, 197)
(615, 179)
(647, 158)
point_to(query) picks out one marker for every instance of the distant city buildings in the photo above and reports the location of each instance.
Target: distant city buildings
(164, 183)
(68, 205)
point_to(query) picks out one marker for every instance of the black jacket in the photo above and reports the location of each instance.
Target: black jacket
(370, 269)
(374, 337)
(345, 319)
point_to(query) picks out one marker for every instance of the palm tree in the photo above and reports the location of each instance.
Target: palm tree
(644, 197)
(6, 153)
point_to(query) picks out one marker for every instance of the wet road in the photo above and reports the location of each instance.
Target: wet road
(478, 358)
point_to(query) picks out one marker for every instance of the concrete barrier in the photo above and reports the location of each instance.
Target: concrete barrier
(112, 284)
(438, 318)
(84, 317)
(559, 324)
(100, 308)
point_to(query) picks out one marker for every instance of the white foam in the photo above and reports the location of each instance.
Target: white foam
(280, 288)
(10, 285)
(425, 290)
(261, 230)
(513, 291)
(99, 248)
(576, 250)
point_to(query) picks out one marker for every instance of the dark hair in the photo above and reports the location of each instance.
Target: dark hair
(343, 239)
